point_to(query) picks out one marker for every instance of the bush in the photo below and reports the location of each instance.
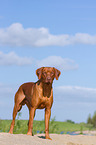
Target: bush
(70, 121)
(89, 120)
(94, 120)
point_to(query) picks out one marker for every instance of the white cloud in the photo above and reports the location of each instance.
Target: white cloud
(58, 62)
(13, 59)
(16, 35)
(76, 92)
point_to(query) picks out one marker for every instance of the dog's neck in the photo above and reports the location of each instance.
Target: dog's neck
(46, 88)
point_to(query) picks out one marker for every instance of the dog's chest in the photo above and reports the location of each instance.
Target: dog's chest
(43, 101)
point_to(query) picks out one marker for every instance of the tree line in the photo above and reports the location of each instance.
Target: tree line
(92, 120)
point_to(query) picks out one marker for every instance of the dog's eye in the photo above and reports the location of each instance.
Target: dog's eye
(44, 73)
(52, 73)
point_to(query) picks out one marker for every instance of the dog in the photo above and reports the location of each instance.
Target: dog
(37, 95)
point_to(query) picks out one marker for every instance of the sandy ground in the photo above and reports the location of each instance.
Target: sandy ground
(39, 139)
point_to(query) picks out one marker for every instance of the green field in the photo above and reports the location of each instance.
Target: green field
(21, 126)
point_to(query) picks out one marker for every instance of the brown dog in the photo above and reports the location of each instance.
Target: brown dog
(37, 95)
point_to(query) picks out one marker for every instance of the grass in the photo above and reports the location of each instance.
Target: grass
(21, 126)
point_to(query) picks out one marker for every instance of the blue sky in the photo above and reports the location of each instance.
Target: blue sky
(49, 33)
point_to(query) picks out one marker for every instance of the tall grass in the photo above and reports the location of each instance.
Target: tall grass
(21, 126)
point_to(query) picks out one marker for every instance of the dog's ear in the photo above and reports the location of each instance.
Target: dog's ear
(39, 72)
(57, 73)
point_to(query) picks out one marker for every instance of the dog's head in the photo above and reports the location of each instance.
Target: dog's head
(47, 74)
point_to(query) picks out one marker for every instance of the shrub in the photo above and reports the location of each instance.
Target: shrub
(70, 121)
(94, 119)
(89, 120)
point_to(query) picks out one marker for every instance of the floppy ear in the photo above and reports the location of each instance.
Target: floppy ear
(39, 72)
(57, 73)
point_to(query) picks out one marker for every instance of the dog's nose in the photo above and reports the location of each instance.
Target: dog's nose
(48, 78)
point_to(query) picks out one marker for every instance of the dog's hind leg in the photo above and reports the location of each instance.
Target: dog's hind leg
(13, 121)
(17, 107)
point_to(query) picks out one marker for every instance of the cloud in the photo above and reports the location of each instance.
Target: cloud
(58, 62)
(76, 93)
(16, 35)
(13, 59)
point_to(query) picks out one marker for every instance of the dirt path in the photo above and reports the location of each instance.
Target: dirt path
(57, 139)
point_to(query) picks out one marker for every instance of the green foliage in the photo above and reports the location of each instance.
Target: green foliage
(18, 123)
(53, 127)
(0, 125)
(89, 120)
(92, 120)
(21, 126)
(19, 115)
(81, 129)
(38, 126)
(70, 121)
(4, 125)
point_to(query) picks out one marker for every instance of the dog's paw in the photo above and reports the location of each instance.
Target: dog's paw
(47, 137)
(29, 133)
(11, 132)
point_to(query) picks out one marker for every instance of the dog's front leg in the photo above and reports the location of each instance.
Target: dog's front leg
(31, 117)
(47, 118)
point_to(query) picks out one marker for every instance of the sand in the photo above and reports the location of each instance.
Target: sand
(39, 139)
